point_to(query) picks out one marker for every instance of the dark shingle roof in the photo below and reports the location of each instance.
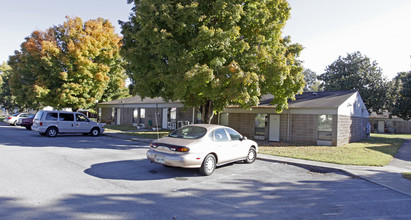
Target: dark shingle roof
(312, 99)
(305, 100)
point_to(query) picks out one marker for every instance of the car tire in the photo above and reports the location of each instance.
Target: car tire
(95, 132)
(251, 156)
(15, 123)
(51, 132)
(208, 166)
(28, 128)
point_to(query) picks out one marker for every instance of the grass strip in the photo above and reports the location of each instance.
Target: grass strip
(378, 150)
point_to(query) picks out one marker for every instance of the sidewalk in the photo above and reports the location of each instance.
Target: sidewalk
(388, 176)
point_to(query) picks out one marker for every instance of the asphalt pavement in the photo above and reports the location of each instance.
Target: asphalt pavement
(389, 176)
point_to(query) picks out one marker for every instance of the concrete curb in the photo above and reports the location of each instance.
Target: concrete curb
(325, 167)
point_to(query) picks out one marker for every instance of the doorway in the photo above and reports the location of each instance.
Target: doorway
(274, 131)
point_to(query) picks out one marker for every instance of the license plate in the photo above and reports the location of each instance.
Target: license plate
(159, 159)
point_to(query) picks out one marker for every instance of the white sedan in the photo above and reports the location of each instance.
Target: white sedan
(13, 119)
(202, 146)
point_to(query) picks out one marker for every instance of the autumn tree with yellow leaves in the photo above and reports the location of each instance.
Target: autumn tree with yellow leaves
(73, 65)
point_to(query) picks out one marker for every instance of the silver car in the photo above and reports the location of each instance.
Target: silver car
(202, 146)
(13, 119)
(51, 123)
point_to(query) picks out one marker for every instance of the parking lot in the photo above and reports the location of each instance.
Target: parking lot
(84, 177)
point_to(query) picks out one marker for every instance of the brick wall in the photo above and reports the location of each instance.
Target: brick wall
(243, 123)
(351, 129)
(284, 127)
(402, 127)
(303, 129)
(106, 115)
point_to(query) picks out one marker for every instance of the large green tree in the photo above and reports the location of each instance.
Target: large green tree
(211, 53)
(357, 72)
(72, 65)
(402, 94)
(7, 100)
(311, 82)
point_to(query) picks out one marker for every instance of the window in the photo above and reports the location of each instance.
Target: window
(220, 135)
(325, 123)
(39, 115)
(142, 115)
(66, 117)
(173, 113)
(233, 134)
(135, 115)
(52, 116)
(260, 121)
(81, 118)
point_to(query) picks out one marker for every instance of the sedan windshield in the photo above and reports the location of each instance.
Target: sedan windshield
(189, 132)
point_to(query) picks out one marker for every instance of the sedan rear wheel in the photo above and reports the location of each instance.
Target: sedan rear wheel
(251, 156)
(208, 166)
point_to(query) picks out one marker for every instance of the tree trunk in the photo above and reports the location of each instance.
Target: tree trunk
(207, 112)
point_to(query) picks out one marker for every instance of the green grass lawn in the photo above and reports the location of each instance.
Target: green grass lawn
(149, 134)
(132, 131)
(378, 150)
(407, 175)
(119, 128)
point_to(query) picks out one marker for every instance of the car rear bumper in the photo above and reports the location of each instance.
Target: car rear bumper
(38, 129)
(175, 160)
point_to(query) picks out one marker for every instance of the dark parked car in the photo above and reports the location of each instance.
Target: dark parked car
(26, 122)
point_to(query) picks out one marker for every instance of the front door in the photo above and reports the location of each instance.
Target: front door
(274, 132)
(82, 124)
(381, 126)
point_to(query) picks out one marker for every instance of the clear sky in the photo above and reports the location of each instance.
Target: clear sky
(379, 29)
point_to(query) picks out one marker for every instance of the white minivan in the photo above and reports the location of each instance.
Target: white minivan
(51, 123)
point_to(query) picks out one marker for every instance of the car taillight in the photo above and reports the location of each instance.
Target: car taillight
(180, 149)
(41, 123)
(9, 118)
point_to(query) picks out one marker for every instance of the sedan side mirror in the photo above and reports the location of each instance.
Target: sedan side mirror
(243, 138)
